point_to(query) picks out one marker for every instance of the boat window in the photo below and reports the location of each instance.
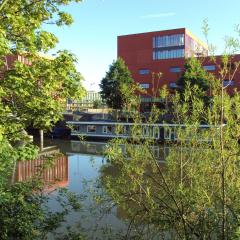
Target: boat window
(145, 131)
(107, 129)
(156, 133)
(91, 128)
(173, 134)
(170, 134)
(167, 134)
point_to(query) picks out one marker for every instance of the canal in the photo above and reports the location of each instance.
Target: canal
(80, 169)
(83, 169)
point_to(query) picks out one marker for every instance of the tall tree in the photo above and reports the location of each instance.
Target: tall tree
(35, 92)
(32, 93)
(193, 194)
(113, 84)
(194, 74)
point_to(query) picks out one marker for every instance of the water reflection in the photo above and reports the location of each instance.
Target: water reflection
(79, 169)
(160, 152)
(55, 175)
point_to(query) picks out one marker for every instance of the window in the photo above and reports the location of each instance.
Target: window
(167, 134)
(91, 128)
(144, 85)
(170, 134)
(175, 69)
(168, 54)
(168, 40)
(173, 85)
(210, 67)
(144, 71)
(228, 83)
(145, 131)
(107, 129)
(156, 133)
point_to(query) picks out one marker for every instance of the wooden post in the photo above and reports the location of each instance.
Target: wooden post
(41, 140)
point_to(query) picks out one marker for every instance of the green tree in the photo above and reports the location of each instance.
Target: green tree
(97, 103)
(194, 74)
(117, 78)
(32, 93)
(193, 194)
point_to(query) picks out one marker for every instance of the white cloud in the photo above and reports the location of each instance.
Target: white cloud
(159, 15)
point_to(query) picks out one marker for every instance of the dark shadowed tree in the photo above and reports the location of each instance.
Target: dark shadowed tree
(116, 79)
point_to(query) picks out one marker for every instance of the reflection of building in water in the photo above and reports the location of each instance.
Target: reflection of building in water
(95, 148)
(160, 151)
(53, 176)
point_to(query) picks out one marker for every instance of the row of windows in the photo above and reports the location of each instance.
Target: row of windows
(147, 71)
(177, 69)
(225, 83)
(168, 41)
(167, 54)
(105, 129)
(146, 130)
(207, 68)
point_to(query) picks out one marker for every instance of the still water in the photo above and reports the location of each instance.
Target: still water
(82, 168)
(79, 170)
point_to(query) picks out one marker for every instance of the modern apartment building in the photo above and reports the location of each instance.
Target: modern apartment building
(165, 52)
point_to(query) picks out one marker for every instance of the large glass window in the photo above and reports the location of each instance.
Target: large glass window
(167, 54)
(168, 40)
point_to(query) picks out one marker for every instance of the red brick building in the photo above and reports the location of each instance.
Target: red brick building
(165, 52)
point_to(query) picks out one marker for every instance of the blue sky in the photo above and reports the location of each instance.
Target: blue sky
(97, 23)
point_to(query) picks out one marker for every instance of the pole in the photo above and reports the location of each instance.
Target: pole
(41, 139)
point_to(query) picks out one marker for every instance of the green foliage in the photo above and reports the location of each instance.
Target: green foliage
(21, 23)
(31, 94)
(194, 193)
(23, 215)
(117, 78)
(37, 93)
(27, 152)
(194, 74)
(97, 104)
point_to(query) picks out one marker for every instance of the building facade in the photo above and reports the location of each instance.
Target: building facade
(147, 54)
